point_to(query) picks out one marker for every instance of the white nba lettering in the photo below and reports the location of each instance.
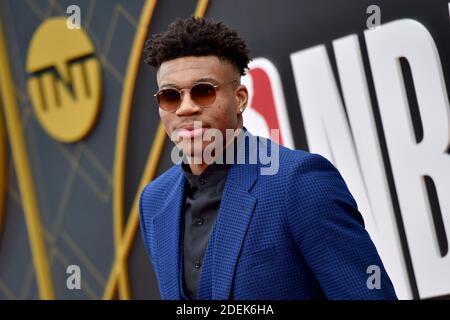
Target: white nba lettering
(328, 133)
(411, 160)
(326, 127)
(359, 109)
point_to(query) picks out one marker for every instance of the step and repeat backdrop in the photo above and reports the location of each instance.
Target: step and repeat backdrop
(363, 82)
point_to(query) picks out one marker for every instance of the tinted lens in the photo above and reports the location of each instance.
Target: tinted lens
(203, 94)
(168, 99)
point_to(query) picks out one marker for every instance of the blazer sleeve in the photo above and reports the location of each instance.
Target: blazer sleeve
(329, 232)
(145, 221)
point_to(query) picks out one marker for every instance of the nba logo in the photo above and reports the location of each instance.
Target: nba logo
(266, 107)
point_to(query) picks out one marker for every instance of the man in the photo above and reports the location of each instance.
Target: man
(227, 229)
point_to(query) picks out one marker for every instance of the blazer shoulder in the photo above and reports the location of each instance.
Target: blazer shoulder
(312, 176)
(157, 190)
(300, 161)
(296, 162)
(314, 182)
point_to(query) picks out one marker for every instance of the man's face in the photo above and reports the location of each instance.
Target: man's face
(222, 114)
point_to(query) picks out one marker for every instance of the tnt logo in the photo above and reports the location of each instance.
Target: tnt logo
(266, 108)
(65, 80)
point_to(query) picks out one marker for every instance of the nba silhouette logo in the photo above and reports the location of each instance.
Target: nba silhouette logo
(266, 108)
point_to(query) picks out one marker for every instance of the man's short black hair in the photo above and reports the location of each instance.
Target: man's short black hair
(197, 37)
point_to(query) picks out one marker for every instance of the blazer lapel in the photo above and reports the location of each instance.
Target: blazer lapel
(227, 236)
(234, 216)
(167, 237)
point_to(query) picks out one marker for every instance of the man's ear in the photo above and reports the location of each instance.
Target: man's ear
(241, 98)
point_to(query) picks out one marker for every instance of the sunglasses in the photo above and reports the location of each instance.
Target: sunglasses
(203, 94)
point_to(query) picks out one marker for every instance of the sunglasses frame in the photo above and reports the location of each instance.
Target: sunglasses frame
(180, 92)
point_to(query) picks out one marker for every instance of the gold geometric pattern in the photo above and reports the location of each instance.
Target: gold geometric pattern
(124, 240)
(103, 193)
(3, 180)
(107, 184)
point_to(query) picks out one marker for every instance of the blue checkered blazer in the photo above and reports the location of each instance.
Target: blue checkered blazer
(293, 235)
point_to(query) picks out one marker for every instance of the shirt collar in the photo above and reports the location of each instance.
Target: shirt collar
(209, 177)
(213, 172)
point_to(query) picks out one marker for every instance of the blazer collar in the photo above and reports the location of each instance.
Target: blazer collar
(228, 232)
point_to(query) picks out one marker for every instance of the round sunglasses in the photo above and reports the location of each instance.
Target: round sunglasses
(203, 94)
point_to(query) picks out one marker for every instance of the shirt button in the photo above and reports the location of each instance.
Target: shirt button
(203, 180)
(198, 222)
(197, 264)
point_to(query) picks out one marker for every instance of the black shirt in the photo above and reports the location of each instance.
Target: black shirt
(203, 197)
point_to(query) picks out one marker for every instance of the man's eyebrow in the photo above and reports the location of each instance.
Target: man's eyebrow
(168, 85)
(207, 79)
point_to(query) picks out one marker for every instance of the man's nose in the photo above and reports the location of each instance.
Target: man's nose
(187, 106)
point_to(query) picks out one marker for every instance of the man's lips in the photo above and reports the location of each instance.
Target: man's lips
(190, 131)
